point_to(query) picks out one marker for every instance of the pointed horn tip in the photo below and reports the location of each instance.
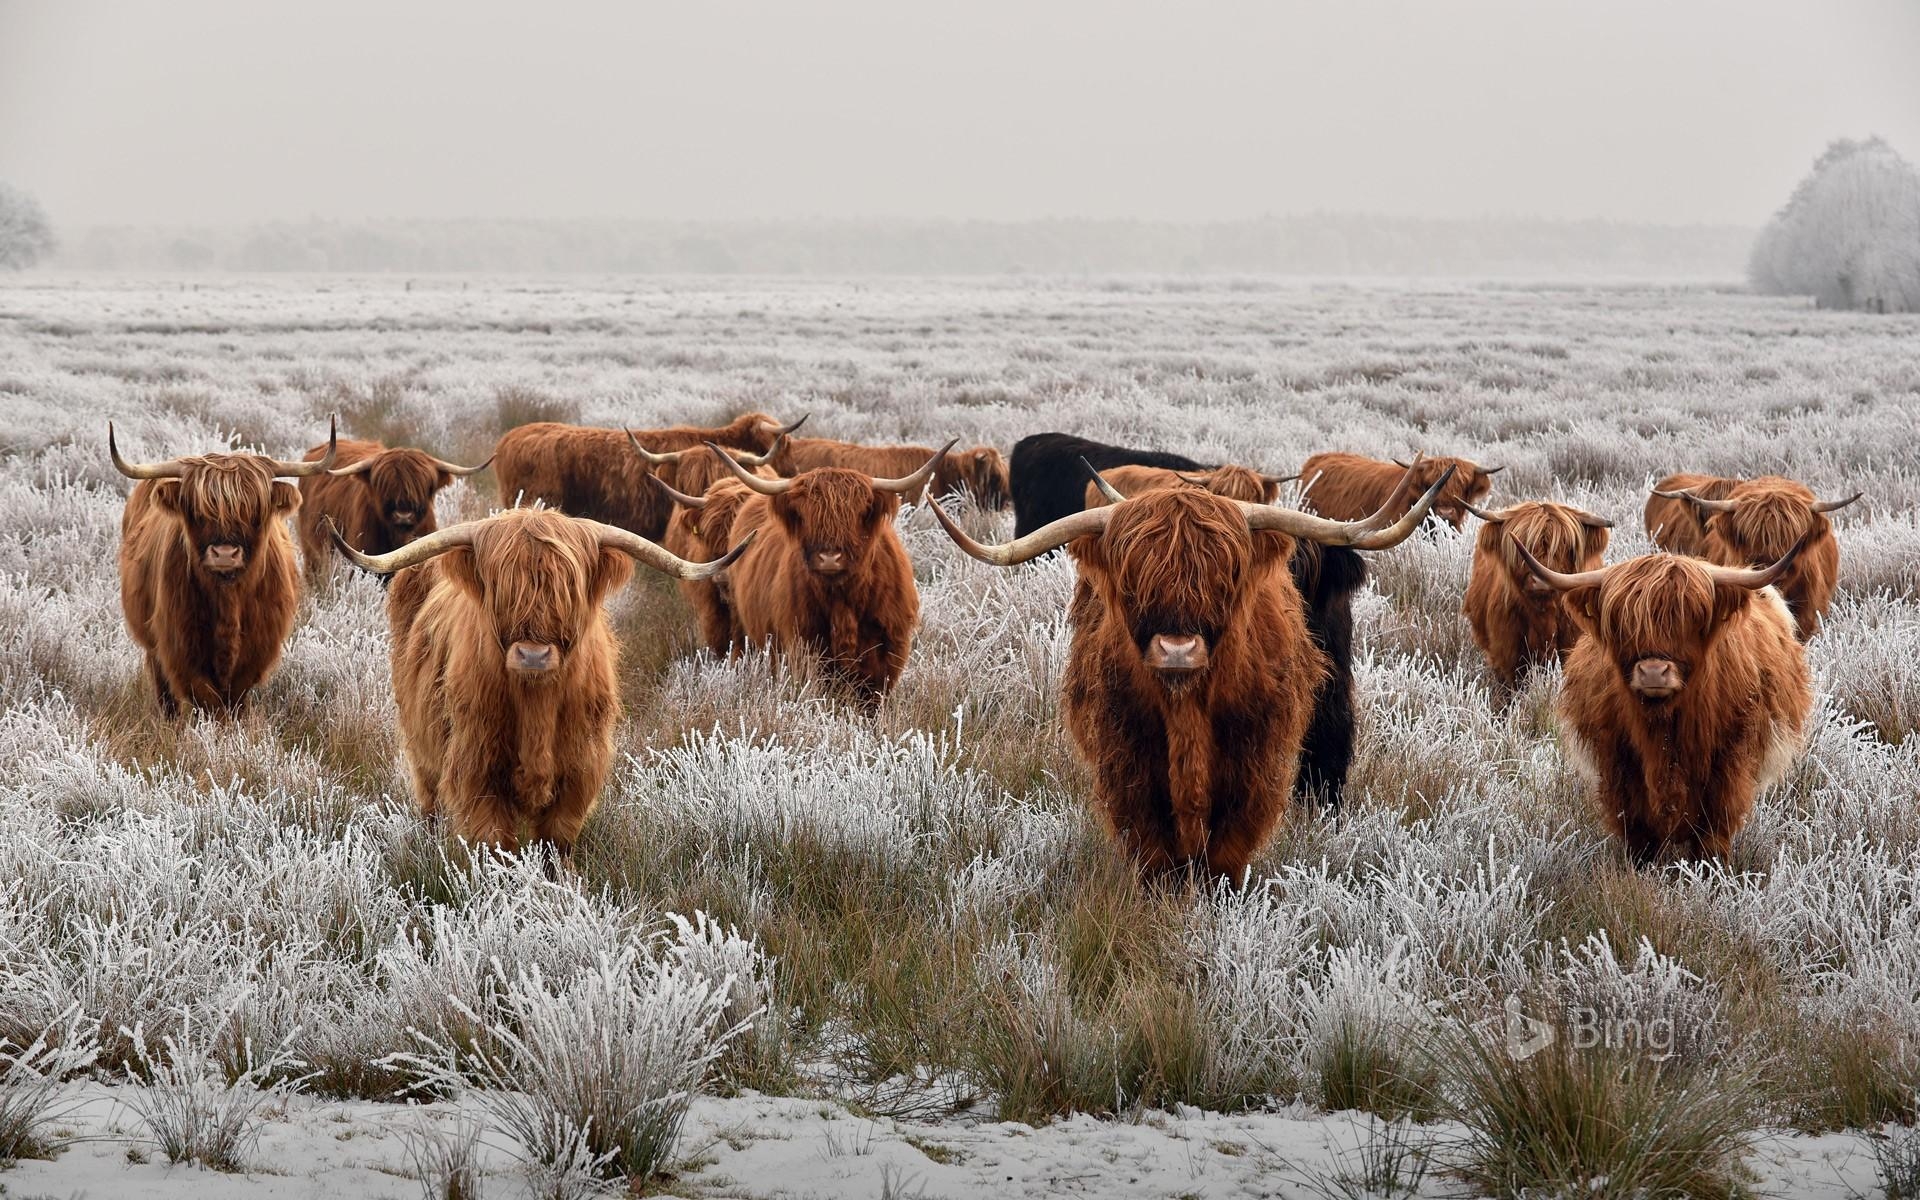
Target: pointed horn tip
(352, 555)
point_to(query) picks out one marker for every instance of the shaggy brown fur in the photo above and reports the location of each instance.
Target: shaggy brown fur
(1677, 776)
(859, 620)
(491, 747)
(704, 534)
(1770, 515)
(381, 509)
(1348, 487)
(594, 473)
(210, 636)
(981, 471)
(1675, 525)
(1190, 769)
(1233, 482)
(1518, 621)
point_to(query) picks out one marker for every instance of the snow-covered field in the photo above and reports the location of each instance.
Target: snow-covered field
(918, 955)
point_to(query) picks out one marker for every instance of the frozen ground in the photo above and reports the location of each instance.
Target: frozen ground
(763, 1146)
(938, 932)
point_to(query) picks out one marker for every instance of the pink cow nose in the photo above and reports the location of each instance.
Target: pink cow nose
(405, 516)
(1657, 678)
(830, 562)
(224, 557)
(532, 656)
(1177, 652)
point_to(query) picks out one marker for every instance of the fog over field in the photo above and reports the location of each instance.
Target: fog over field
(917, 929)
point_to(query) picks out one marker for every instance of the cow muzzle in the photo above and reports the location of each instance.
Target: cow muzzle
(224, 558)
(1656, 679)
(404, 518)
(532, 658)
(829, 562)
(1178, 654)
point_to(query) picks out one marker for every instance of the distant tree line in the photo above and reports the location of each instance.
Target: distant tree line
(1849, 235)
(1320, 244)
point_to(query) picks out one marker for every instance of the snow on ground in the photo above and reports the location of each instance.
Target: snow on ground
(796, 1149)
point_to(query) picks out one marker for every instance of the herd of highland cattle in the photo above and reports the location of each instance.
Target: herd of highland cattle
(1209, 685)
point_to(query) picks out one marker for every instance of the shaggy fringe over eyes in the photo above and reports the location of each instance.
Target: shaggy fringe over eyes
(1180, 553)
(407, 475)
(833, 503)
(1769, 517)
(1551, 532)
(230, 495)
(1661, 602)
(1241, 483)
(537, 567)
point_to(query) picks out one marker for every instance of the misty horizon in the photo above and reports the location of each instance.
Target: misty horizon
(216, 115)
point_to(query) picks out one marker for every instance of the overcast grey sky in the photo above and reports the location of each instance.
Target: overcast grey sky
(193, 111)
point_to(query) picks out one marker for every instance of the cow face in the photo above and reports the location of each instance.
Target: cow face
(834, 516)
(402, 484)
(1469, 484)
(1171, 568)
(539, 578)
(1237, 483)
(1762, 520)
(226, 505)
(982, 472)
(1561, 538)
(1657, 617)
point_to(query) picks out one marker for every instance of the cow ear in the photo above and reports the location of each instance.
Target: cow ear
(610, 574)
(457, 565)
(1270, 545)
(1729, 602)
(882, 507)
(166, 495)
(286, 497)
(1583, 603)
(443, 479)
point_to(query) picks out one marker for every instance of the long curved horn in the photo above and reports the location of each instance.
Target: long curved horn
(1113, 494)
(455, 469)
(1372, 533)
(1277, 480)
(1479, 470)
(917, 480)
(783, 430)
(172, 468)
(653, 460)
(766, 487)
(1048, 537)
(666, 561)
(1827, 506)
(1404, 466)
(1591, 521)
(1491, 518)
(321, 465)
(1758, 577)
(359, 466)
(412, 554)
(760, 460)
(677, 496)
(1700, 502)
(1559, 582)
(1195, 480)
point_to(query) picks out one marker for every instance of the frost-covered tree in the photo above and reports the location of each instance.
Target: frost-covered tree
(1850, 233)
(25, 236)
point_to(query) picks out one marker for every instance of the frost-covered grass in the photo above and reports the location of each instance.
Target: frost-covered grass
(913, 912)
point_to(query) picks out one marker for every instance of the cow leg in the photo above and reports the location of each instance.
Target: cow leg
(162, 691)
(1326, 753)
